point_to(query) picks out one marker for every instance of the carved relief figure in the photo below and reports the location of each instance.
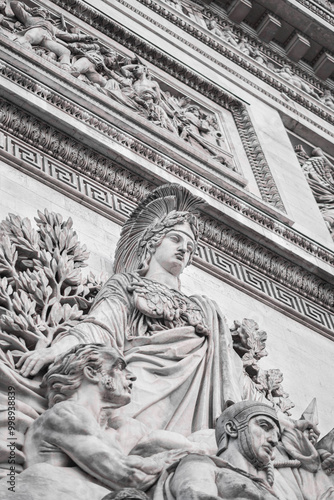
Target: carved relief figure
(288, 75)
(196, 129)
(319, 172)
(93, 61)
(299, 462)
(327, 99)
(68, 450)
(170, 341)
(247, 434)
(40, 30)
(224, 32)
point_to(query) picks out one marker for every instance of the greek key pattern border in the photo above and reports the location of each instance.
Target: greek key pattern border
(98, 167)
(260, 168)
(47, 139)
(118, 205)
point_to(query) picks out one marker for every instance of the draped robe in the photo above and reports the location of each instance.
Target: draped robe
(178, 347)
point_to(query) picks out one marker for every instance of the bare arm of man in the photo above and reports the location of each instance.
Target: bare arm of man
(74, 430)
(195, 479)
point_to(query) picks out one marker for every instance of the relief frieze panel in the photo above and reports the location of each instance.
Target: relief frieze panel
(199, 126)
(292, 81)
(122, 78)
(319, 172)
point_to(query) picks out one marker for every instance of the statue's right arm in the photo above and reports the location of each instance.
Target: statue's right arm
(33, 361)
(73, 429)
(195, 479)
(105, 324)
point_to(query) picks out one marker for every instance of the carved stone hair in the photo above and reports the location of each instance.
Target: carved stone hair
(65, 375)
(162, 209)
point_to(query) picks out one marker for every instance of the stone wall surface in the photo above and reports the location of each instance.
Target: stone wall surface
(223, 100)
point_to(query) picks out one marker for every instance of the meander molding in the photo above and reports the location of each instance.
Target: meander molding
(243, 261)
(164, 162)
(113, 191)
(133, 42)
(24, 126)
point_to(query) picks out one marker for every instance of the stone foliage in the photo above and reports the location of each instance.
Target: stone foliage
(42, 289)
(250, 344)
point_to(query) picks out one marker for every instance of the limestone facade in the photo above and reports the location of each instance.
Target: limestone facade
(74, 148)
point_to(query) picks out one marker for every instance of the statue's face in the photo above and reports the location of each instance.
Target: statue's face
(262, 436)
(175, 249)
(139, 70)
(116, 382)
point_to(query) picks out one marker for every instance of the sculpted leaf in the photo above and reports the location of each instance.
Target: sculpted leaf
(42, 291)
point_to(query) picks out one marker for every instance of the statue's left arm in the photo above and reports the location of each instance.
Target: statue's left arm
(195, 479)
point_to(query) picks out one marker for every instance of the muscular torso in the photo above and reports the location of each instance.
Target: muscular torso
(43, 443)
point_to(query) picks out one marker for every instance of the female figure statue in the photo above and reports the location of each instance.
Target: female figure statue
(178, 347)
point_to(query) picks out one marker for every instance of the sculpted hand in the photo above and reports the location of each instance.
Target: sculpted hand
(328, 465)
(32, 362)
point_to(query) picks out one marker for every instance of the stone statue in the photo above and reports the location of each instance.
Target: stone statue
(70, 449)
(40, 30)
(224, 32)
(286, 72)
(327, 99)
(179, 347)
(319, 173)
(247, 434)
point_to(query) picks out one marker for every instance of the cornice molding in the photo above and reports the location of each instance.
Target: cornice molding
(237, 57)
(70, 155)
(319, 10)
